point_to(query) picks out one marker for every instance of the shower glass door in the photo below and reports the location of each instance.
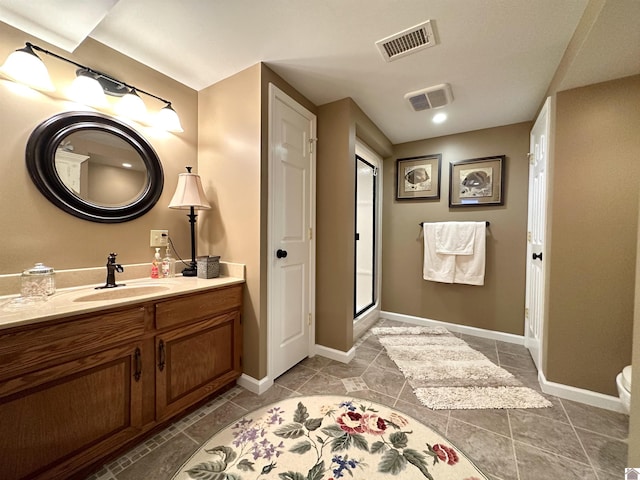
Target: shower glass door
(365, 236)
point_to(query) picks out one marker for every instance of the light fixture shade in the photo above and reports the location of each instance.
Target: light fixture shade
(25, 67)
(167, 119)
(189, 193)
(87, 90)
(132, 106)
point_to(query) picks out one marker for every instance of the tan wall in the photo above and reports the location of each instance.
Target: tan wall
(338, 124)
(594, 230)
(634, 420)
(229, 162)
(36, 230)
(499, 304)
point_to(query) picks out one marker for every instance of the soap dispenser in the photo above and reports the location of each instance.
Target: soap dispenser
(168, 264)
(156, 264)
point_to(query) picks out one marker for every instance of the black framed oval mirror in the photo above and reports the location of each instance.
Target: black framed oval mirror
(94, 167)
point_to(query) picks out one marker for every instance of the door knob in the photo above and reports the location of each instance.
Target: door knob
(281, 253)
(538, 256)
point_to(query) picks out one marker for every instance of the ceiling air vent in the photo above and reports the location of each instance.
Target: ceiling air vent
(432, 97)
(406, 42)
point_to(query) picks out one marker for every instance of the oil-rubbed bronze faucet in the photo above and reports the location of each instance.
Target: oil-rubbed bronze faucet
(112, 268)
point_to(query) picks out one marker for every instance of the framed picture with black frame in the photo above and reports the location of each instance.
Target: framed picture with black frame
(418, 178)
(477, 182)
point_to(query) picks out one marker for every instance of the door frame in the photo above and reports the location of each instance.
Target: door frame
(276, 93)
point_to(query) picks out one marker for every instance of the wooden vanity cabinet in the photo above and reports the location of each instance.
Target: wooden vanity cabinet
(197, 348)
(75, 391)
(69, 392)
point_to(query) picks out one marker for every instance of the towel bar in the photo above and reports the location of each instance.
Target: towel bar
(487, 222)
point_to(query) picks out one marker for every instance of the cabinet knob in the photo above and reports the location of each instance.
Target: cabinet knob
(281, 253)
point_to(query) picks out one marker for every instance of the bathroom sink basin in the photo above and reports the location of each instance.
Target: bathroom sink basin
(121, 292)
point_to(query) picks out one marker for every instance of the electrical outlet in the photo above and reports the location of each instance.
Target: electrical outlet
(159, 238)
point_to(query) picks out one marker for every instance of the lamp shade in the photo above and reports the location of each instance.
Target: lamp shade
(167, 119)
(87, 90)
(189, 193)
(132, 106)
(25, 67)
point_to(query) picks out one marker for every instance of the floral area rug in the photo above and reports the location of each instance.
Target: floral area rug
(327, 437)
(446, 373)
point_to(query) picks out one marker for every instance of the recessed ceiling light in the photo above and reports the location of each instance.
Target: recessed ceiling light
(127, 165)
(439, 117)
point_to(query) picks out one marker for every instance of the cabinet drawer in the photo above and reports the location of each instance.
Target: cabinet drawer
(198, 307)
(23, 350)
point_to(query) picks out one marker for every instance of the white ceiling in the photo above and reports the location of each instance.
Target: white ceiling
(498, 56)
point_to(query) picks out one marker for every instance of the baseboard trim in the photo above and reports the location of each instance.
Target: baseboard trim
(363, 323)
(588, 397)
(255, 386)
(337, 355)
(260, 386)
(453, 327)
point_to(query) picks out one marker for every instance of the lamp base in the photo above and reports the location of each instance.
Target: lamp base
(190, 271)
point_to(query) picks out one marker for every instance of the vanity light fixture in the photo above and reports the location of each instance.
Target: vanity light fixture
(24, 66)
(132, 106)
(190, 195)
(87, 90)
(168, 119)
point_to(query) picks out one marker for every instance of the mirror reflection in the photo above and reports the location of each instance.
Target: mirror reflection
(100, 168)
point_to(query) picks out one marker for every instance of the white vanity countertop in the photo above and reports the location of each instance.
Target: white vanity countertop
(69, 301)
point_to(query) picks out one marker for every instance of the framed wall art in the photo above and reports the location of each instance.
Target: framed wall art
(477, 182)
(418, 178)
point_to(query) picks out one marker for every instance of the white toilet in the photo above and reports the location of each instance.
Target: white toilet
(623, 380)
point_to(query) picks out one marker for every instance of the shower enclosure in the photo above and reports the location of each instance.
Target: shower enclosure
(365, 236)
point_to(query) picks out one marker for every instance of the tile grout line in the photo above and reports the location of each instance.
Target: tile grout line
(477, 426)
(513, 446)
(573, 428)
(553, 453)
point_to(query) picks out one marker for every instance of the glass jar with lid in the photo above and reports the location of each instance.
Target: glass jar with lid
(38, 281)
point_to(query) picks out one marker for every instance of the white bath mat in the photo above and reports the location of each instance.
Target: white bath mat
(446, 373)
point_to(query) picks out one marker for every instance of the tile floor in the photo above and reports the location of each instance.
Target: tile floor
(565, 442)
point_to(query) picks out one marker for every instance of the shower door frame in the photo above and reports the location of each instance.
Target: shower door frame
(371, 312)
(374, 263)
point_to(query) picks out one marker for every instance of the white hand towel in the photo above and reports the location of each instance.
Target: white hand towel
(436, 268)
(470, 269)
(455, 238)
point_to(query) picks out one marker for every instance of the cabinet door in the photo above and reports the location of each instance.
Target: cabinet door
(194, 361)
(54, 421)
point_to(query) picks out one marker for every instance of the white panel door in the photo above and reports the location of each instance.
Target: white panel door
(537, 226)
(292, 136)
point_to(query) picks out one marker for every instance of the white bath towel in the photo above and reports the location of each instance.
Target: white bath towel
(437, 267)
(467, 269)
(455, 238)
(470, 268)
